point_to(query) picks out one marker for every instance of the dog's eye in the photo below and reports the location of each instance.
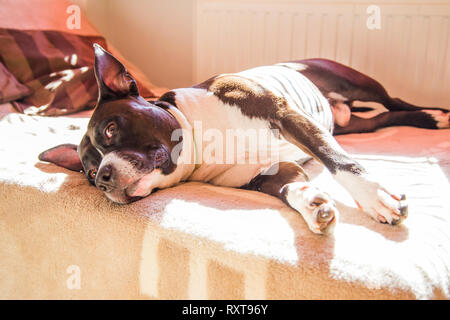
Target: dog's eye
(110, 130)
(92, 173)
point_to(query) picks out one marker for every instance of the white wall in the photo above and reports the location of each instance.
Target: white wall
(156, 35)
(408, 51)
(177, 43)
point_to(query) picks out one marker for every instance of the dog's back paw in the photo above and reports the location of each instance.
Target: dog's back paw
(442, 118)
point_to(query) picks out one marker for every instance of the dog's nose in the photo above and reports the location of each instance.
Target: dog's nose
(104, 179)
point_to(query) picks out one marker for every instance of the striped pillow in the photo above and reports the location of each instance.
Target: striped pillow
(10, 88)
(56, 66)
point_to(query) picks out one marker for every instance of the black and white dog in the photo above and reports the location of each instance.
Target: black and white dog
(133, 146)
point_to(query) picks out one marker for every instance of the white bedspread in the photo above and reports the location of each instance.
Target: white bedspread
(201, 241)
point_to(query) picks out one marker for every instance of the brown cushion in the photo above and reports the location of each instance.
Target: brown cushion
(56, 66)
(10, 88)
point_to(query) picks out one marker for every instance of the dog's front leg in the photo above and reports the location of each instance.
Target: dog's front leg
(370, 196)
(290, 184)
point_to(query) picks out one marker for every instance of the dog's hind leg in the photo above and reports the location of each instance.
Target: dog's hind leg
(379, 95)
(427, 119)
(382, 205)
(396, 104)
(337, 81)
(290, 184)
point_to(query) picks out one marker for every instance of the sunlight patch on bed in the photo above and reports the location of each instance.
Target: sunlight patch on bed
(261, 232)
(398, 256)
(25, 137)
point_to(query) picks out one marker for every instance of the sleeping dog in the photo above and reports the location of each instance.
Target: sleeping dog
(273, 117)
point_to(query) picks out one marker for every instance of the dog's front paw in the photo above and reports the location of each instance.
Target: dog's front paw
(316, 207)
(382, 205)
(373, 198)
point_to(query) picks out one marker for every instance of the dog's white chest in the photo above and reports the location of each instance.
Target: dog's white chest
(231, 148)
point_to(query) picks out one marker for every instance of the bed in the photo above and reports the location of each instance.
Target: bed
(62, 239)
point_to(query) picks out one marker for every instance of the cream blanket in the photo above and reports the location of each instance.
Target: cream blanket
(61, 238)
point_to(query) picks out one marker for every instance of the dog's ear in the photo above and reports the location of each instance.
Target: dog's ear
(64, 155)
(112, 77)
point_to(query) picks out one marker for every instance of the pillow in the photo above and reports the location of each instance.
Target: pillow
(10, 88)
(56, 66)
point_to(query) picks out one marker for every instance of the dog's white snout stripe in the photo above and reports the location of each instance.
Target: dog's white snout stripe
(123, 169)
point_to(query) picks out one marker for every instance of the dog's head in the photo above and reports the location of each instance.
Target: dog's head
(128, 144)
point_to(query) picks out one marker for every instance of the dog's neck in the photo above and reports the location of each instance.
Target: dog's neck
(186, 162)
